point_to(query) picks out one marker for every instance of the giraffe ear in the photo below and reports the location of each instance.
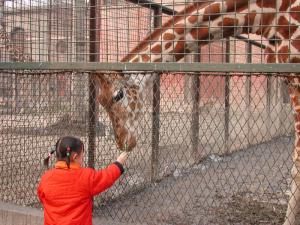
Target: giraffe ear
(118, 95)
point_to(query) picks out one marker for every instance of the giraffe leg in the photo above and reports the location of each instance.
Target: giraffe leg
(294, 202)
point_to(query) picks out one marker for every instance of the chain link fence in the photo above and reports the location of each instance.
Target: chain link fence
(213, 147)
(60, 30)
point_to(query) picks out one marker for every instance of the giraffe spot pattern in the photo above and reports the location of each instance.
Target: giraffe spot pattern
(145, 58)
(134, 91)
(229, 26)
(285, 28)
(296, 43)
(266, 19)
(135, 98)
(286, 4)
(295, 60)
(228, 22)
(297, 108)
(168, 45)
(179, 28)
(130, 114)
(139, 105)
(136, 59)
(249, 22)
(270, 55)
(297, 126)
(296, 118)
(297, 142)
(283, 54)
(266, 4)
(200, 33)
(132, 106)
(156, 49)
(295, 13)
(236, 5)
(193, 19)
(178, 49)
(211, 12)
(168, 37)
(157, 32)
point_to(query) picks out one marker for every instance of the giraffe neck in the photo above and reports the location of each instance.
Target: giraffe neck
(199, 24)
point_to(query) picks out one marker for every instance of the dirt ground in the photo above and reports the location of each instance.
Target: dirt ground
(244, 188)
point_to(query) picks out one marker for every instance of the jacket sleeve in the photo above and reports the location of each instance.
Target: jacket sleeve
(40, 193)
(105, 178)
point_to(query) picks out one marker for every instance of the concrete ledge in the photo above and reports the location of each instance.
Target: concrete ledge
(12, 214)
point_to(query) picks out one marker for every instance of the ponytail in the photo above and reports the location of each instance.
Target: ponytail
(46, 160)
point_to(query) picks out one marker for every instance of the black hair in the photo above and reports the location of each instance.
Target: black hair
(63, 149)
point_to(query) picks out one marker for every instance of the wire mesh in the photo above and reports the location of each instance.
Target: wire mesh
(62, 31)
(208, 143)
(238, 153)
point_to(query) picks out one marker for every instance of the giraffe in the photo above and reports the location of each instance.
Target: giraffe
(277, 21)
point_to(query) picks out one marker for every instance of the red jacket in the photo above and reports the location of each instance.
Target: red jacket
(66, 194)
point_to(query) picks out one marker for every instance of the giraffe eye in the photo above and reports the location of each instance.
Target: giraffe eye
(118, 95)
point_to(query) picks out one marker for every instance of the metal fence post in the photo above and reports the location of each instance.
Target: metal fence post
(156, 111)
(195, 93)
(227, 99)
(248, 95)
(78, 109)
(283, 100)
(49, 32)
(268, 112)
(92, 89)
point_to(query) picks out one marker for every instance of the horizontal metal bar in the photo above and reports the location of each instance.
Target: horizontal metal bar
(246, 40)
(152, 5)
(157, 67)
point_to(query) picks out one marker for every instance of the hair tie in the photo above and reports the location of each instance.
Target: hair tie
(50, 153)
(68, 151)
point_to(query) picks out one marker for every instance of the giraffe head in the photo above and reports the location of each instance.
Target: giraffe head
(122, 101)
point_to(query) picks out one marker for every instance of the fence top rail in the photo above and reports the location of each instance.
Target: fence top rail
(154, 67)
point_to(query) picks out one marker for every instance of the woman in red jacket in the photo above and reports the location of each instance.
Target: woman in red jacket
(66, 191)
